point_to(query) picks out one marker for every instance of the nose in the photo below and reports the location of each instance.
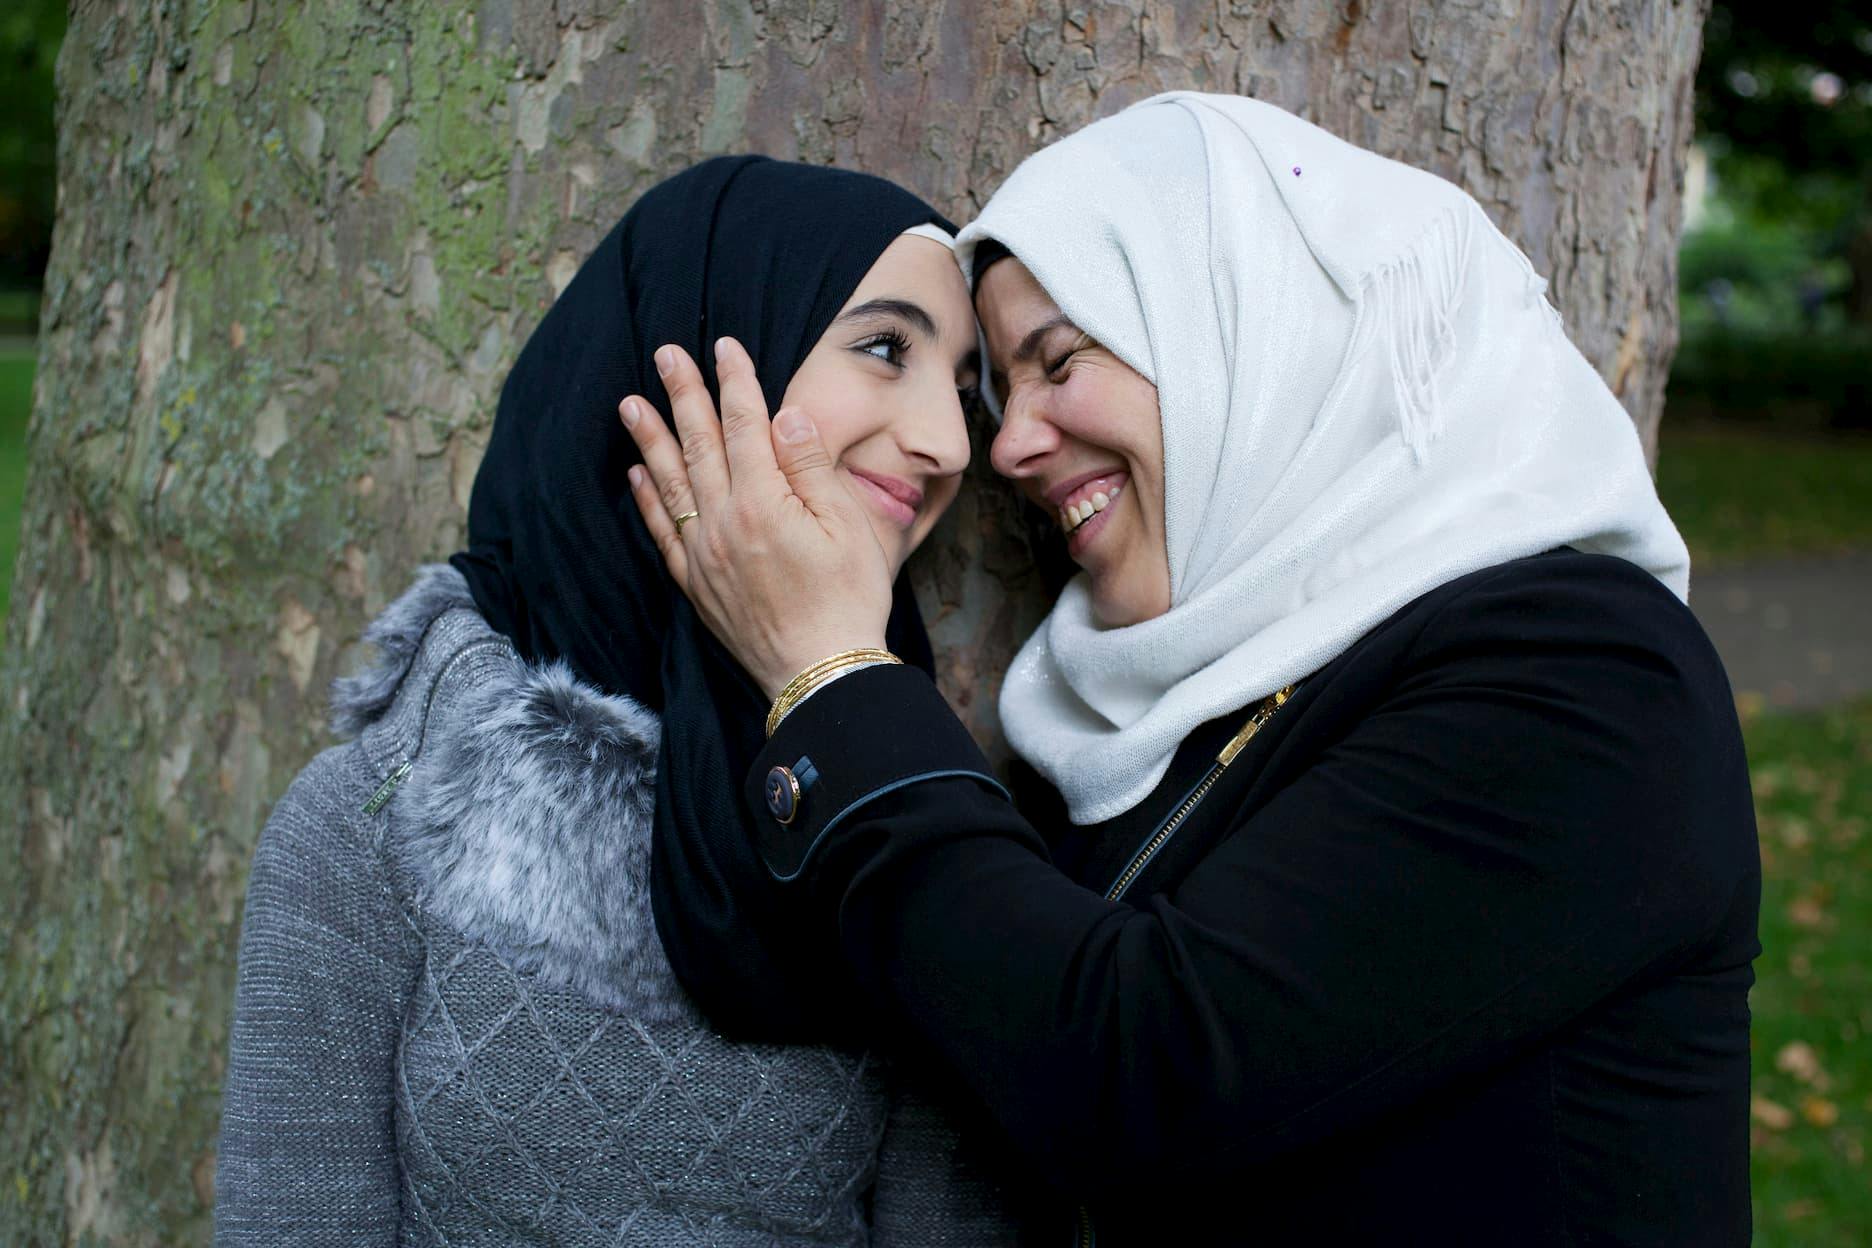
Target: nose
(942, 443)
(1025, 439)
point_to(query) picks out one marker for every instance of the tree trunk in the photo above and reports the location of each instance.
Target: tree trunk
(297, 248)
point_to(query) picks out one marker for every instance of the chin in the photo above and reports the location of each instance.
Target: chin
(1115, 608)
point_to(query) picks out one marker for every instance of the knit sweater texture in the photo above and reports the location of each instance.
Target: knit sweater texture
(454, 1023)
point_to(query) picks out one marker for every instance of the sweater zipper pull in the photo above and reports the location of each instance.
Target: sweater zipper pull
(387, 789)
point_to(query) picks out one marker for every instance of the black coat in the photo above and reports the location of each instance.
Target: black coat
(1456, 951)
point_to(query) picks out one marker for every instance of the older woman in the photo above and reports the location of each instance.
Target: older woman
(1408, 885)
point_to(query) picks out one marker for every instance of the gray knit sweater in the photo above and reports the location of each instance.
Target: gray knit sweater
(454, 1023)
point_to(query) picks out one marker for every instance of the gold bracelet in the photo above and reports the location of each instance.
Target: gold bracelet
(820, 673)
(782, 710)
(843, 657)
(816, 675)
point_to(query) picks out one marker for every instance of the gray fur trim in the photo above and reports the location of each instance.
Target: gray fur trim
(525, 823)
(358, 701)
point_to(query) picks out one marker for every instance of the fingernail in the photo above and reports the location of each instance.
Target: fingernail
(718, 349)
(635, 473)
(631, 414)
(793, 425)
(665, 360)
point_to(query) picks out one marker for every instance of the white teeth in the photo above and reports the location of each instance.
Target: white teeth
(1073, 515)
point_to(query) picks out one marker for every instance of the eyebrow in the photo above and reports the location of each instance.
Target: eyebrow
(920, 320)
(1030, 345)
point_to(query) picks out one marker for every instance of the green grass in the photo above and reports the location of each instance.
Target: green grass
(1739, 493)
(1759, 492)
(1812, 1120)
(16, 374)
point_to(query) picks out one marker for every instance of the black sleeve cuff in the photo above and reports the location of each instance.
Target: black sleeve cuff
(862, 736)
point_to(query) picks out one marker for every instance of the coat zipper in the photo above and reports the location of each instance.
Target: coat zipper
(1236, 744)
(388, 788)
(1088, 1236)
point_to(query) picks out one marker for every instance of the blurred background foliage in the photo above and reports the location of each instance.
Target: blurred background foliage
(1765, 455)
(1776, 258)
(30, 32)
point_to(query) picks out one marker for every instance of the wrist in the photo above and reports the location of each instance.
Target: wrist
(821, 674)
(802, 658)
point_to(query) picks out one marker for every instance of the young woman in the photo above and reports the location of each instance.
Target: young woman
(1410, 884)
(454, 1023)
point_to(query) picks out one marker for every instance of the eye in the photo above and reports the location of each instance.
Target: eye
(890, 346)
(1059, 362)
(970, 396)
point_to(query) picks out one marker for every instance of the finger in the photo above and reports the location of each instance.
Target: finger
(656, 518)
(668, 472)
(802, 456)
(697, 426)
(744, 424)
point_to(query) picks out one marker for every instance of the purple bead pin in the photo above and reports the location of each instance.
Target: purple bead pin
(1296, 171)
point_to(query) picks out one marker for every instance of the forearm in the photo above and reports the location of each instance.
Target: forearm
(1390, 918)
(1061, 1010)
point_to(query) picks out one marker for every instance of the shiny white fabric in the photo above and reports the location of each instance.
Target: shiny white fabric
(936, 234)
(1364, 395)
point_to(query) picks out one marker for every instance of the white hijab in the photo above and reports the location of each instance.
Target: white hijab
(1364, 392)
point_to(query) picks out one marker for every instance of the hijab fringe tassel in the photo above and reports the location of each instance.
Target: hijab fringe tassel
(1411, 303)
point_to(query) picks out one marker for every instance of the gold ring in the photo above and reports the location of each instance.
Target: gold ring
(683, 519)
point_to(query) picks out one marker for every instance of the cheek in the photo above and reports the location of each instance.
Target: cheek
(837, 412)
(1123, 418)
(1096, 417)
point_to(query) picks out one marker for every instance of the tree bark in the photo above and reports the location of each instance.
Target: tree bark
(297, 248)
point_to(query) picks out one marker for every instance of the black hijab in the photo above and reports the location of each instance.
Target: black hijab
(558, 559)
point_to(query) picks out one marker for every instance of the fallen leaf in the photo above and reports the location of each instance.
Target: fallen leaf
(1799, 1059)
(1819, 1111)
(1806, 911)
(1771, 1115)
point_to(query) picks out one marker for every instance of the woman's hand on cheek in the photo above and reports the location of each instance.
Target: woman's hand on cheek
(779, 561)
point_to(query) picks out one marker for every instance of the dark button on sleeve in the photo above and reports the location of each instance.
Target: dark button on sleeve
(783, 794)
(862, 736)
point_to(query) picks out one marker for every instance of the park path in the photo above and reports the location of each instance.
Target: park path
(1795, 633)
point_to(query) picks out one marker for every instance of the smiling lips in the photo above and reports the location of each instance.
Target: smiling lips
(1077, 501)
(898, 500)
